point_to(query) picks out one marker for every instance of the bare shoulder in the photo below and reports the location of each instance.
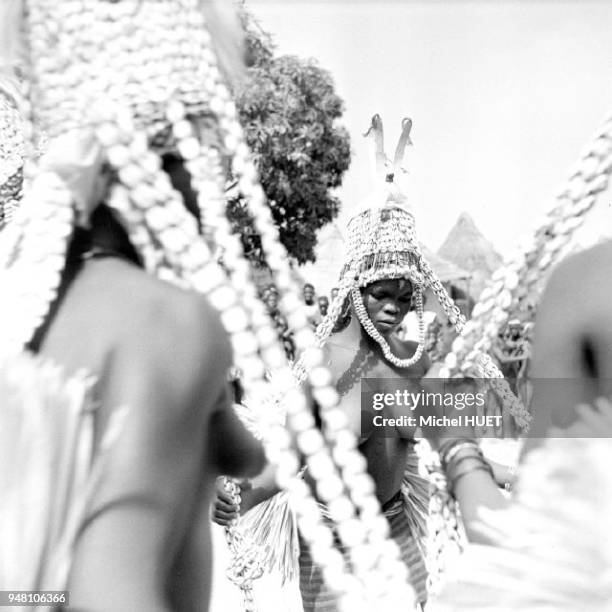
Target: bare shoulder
(175, 316)
(146, 324)
(573, 335)
(577, 297)
(580, 284)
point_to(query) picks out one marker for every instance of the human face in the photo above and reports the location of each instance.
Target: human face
(308, 294)
(272, 301)
(323, 305)
(446, 337)
(387, 302)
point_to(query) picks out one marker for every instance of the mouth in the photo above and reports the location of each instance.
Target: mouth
(387, 324)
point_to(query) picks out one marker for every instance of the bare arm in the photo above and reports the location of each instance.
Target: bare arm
(572, 359)
(476, 489)
(261, 487)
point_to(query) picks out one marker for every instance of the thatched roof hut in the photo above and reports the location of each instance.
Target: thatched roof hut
(466, 247)
(447, 271)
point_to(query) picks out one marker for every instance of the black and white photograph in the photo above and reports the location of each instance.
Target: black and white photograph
(305, 305)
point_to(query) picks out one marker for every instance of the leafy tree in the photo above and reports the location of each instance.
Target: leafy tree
(288, 108)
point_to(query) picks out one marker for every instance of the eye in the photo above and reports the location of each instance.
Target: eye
(406, 298)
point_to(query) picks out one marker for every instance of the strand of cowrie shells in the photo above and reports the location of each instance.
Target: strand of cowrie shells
(329, 486)
(12, 153)
(188, 263)
(367, 324)
(522, 277)
(33, 259)
(479, 363)
(246, 566)
(326, 327)
(444, 530)
(445, 535)
(139, 197)
(345, 445)
(163, 257)
(309, 440)
(207, 179)
(131, 171)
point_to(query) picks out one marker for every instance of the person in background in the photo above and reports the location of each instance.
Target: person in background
(271, 301)
(312, 308)
(323, 305)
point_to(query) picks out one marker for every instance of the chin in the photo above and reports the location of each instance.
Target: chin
(386, 330)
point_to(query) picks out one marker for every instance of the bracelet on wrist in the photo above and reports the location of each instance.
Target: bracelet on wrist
(466, 449)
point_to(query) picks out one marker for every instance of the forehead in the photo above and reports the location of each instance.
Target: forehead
(391, 284)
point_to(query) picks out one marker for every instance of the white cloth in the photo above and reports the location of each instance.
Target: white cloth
(47, 471)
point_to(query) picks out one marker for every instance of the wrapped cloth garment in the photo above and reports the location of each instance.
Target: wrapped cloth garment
(48, 471)
(271, 526)
(406, 513)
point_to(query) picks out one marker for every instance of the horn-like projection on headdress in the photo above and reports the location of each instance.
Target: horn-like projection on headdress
(382, 244)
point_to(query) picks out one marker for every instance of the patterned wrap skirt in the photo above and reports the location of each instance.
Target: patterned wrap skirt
(317, 596)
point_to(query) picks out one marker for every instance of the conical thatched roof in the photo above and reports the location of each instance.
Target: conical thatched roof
(446, 270)
(466, 246)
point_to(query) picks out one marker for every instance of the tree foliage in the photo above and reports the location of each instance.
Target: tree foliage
(289, 110)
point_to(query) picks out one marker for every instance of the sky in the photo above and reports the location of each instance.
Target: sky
(503, 94)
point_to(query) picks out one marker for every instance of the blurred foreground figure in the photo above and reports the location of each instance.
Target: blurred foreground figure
(550, 549)
(114, 412)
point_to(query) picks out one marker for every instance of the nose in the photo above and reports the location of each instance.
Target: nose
(391, 308)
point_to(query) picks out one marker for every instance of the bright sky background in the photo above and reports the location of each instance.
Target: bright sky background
(504, 94)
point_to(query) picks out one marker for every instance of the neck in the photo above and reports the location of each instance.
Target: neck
(108, 234)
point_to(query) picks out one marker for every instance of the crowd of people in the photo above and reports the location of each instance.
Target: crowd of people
(147, 385)
(315, 306)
